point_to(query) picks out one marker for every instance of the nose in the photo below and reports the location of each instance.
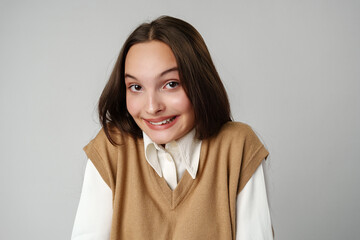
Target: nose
(154, 104)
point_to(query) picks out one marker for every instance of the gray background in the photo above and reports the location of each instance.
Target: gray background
(291, 69)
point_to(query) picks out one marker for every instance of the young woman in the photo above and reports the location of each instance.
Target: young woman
(169, 163)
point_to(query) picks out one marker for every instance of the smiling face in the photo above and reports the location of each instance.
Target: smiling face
(155, 97)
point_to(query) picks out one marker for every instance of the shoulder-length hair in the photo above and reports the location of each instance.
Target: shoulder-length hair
(197, 73)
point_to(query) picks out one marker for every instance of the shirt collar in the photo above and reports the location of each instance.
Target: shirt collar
(189, 150)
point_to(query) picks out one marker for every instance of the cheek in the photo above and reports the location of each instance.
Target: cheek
(183, 105)
(188, 108)
(131, 106)
(180, 100)
(189, 116)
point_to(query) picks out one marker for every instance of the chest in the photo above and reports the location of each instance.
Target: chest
(201, 208)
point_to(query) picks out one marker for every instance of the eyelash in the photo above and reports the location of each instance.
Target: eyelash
(168, 84)
(133, 87)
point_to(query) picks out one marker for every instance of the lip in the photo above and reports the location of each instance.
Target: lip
(160, 119)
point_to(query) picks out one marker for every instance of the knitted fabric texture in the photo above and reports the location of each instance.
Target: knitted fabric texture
(144, 207)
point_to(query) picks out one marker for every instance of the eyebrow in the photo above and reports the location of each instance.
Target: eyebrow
(169, 70)
(160, 75)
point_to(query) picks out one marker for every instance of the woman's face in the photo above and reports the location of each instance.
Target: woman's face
(155, 97)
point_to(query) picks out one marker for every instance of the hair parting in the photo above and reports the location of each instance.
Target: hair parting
(198, 75)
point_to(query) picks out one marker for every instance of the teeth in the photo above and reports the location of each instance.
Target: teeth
(163, 122)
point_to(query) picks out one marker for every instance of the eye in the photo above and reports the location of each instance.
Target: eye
(135, 88)
(171, 85)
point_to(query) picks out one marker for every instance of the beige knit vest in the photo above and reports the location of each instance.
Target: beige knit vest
(144, 207)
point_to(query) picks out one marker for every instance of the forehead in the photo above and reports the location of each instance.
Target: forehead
(149, 57)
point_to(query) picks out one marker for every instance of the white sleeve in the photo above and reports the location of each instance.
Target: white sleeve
(252, 215)
(94, 214)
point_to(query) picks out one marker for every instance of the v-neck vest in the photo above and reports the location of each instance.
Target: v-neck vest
(144, 207)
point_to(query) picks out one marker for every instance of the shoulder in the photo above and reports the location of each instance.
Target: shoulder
(235, 126)
(101, 141)
(243, 147)
(236, 136)
(236, 130)
(105, 155)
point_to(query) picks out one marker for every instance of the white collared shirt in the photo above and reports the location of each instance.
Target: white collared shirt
(172, 160)
(93, 218)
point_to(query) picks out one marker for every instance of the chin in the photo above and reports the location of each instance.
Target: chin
(163, 137)
(161, 140)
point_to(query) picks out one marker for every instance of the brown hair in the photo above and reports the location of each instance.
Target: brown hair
(197, 72)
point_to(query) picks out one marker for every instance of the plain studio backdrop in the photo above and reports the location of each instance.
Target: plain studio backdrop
(291, 69)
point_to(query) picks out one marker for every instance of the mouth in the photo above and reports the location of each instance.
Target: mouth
(163, 122)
